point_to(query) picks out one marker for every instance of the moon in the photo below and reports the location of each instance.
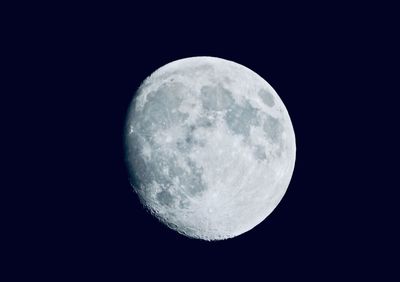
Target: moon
(210, 147)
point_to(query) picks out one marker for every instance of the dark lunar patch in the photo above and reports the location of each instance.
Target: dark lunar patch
(190, 181)
(183, 202)
(240, 118)
(154, 170)
(165, 198)
(184, 145)
(158, 112)
(215, 98)
(273, 129)
(267, 97)
(189, 141)
(193, 182)
(259, 152)
(204, 122)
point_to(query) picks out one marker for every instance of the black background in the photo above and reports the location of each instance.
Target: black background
(331, 65)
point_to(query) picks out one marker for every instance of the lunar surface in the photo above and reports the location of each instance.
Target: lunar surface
(210, 147)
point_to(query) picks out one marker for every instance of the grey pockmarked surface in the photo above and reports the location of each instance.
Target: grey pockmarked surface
(210, 147)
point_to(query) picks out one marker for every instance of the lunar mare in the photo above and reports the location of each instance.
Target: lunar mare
(210, 147)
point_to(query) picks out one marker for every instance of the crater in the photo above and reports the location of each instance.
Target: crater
(267, 97)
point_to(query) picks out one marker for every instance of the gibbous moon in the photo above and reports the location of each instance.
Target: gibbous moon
(210, 147)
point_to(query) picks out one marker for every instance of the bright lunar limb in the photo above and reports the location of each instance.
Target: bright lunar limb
(210, 147)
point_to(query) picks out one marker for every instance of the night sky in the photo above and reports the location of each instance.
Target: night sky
(326, 62)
